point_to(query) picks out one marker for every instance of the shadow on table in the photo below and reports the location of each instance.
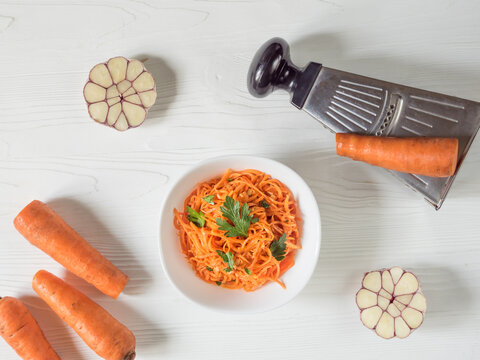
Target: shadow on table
(166, 84)
(338, 205)
(449, 300)
(467, 183)
(86, 223)
(49, 322)
(148, 334)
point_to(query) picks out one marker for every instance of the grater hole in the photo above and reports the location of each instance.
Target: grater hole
(386, 121)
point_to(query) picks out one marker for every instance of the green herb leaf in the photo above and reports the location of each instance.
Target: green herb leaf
(227, 258)
(208, 199)
(240, 218)
(227, 270)
(229, 179)
(248, 271)
(198, 218)
(218, 283)
(209, 268)
(264, 204)
(278, 248)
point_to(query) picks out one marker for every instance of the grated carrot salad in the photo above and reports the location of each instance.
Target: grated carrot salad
(270, 201)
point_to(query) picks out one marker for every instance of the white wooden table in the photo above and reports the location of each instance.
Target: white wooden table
(109, 185)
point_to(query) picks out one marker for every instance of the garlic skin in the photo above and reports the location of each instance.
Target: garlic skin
(119, 93)
(391, 302)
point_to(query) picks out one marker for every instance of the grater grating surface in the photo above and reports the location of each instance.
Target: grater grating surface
(347, 102)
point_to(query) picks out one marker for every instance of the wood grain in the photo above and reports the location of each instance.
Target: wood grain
(109, 185)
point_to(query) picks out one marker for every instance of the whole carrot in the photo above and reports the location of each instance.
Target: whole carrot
(45, 229)
(21, 331)
(436, 157)
(105, 335)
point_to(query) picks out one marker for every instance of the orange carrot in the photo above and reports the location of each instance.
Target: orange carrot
(45, 229)
(105, 335)
(436, 157)
(22, 332)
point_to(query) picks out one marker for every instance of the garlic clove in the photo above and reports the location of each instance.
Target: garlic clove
(383, 302)
(399, 305)
(114, 113)
(418, 302)
(404, 299)
(407, 284)
(98, 111)
(372, 281)
(393, 310)
(117, 67)
(396, 273)
(123, 86)
(371, 316)
(101, 76)
(387, 281)
(385, 294)
(402, 330)
(144, 82)
(134, 69)
(121, 124)
(148, 98)
(134, 113)
(93, 92)
(412, 317)
(112, 92)
(129, 92)
(386, 326)
(134, 99)
(366, 298)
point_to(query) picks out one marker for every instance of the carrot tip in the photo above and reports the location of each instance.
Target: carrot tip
(130, 356)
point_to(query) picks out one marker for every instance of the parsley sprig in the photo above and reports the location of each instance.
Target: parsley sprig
(240, 218)
(278, 248)
(198, 218)
(208, 199)
(228, 259)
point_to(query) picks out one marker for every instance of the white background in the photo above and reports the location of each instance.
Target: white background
(109, 185)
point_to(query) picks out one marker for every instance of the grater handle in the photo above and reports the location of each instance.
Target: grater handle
(272, 69)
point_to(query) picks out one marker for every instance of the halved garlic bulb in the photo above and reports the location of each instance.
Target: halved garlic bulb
(391, 302)
(119, 93)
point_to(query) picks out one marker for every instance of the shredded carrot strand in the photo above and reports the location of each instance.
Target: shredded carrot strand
(200, 245)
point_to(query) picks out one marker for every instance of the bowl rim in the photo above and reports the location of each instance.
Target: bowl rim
(316, 225)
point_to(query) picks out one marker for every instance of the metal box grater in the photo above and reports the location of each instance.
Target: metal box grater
(346, 102)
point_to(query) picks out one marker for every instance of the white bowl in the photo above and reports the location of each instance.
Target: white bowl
(270, 296)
